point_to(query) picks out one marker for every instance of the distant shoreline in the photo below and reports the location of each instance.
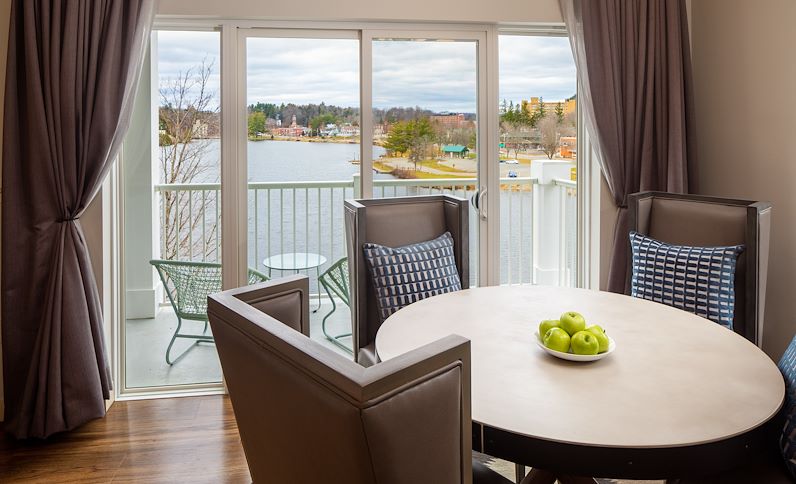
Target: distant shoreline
(309, 139)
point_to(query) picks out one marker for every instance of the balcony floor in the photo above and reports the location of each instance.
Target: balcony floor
(147, 340)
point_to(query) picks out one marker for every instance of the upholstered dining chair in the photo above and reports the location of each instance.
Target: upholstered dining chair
(396, 222)
(776, 463)
(697, 220)
(309, 415)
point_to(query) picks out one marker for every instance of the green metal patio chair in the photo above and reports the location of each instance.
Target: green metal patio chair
(335, 282)
(187, 285)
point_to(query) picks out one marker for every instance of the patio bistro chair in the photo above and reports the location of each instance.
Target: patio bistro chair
(187, 285)
(335, 282)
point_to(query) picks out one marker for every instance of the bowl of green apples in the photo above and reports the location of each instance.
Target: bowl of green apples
(569, 338)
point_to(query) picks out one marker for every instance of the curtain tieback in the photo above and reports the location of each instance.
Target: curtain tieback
(67, 220)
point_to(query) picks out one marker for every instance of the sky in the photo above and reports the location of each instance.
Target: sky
(440, 76)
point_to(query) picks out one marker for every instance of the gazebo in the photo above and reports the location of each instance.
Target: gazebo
(458, 151)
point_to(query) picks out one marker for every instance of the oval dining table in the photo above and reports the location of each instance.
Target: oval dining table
(679, 396)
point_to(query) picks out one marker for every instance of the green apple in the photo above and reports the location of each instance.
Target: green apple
(585, 343)
(547, 324)
(597, 331)
(572, 322)
(556, 339)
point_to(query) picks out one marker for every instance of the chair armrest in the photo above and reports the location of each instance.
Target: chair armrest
(419, 364)
(285, 299)
(417, 405)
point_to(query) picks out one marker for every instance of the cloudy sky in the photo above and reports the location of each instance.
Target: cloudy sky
(440, 76)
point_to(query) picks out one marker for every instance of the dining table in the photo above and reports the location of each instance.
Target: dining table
(679, 396)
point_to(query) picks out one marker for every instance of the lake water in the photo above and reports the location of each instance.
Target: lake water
(285, 161)
(311, 220)
(300, 160)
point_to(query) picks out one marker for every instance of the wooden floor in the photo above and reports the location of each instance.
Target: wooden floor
(168, 440)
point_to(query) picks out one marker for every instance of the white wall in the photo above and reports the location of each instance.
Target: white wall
(745, 89)
(505, 11)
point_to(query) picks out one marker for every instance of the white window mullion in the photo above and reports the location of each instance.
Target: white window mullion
(366, 114)
(489, 167)
(233, 165)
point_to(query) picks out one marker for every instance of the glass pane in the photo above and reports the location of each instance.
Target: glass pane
(538, 160)
(172, 212)
(303, 161)
(425, 116)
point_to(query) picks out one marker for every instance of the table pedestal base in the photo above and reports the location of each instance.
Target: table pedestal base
(540, 476)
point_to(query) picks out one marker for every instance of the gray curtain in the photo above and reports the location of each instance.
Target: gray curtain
(73, 66)
(634, 85)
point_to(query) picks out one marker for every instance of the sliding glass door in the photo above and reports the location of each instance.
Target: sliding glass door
(425, 118)
(538, 160)
(171, 173)
(302, 159)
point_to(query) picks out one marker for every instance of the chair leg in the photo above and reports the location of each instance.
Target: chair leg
(334, 339)
(519, 473)
(173, 339)
(198, 339)
(318, 278)
(204, 331)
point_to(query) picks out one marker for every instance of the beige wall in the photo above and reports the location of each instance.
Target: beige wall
(507, 11)
(745, 87)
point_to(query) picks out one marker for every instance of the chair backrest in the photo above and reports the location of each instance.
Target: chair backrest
(337, 281)
(306, 414)
(787, 365)
(188, 283)
(711, 221)
(396, 222)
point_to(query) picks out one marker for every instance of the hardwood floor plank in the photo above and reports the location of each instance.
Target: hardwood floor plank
(166, 440)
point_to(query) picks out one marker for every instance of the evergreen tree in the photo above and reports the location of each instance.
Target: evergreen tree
(560, 113)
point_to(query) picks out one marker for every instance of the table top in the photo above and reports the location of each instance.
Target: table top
(294, 261)
(675, 379)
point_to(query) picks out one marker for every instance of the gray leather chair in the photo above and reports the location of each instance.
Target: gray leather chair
(767, 464)
(308, 415)
(710, 221)
(396, 222)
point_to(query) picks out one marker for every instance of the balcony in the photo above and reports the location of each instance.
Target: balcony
(537, 245)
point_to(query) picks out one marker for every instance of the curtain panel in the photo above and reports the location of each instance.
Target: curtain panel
(635, 87)
(73, 66)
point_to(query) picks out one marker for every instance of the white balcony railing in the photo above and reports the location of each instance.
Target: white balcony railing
(307, 216)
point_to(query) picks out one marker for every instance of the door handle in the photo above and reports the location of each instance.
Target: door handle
(482, 202)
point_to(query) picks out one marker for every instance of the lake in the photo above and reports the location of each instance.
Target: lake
(284, 161)
(311, 220)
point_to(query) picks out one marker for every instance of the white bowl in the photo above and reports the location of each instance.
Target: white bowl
(572, 356)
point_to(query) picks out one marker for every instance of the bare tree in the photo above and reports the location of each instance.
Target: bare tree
(549, 135)
(188, 117)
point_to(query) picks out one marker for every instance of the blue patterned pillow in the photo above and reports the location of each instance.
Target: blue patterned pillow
(787, 440)
(407, 274)
(700, 280)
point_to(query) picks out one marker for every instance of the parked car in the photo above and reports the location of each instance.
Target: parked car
(512, 162)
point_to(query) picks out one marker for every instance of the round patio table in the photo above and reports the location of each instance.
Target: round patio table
(679, 395)
(296, 261)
